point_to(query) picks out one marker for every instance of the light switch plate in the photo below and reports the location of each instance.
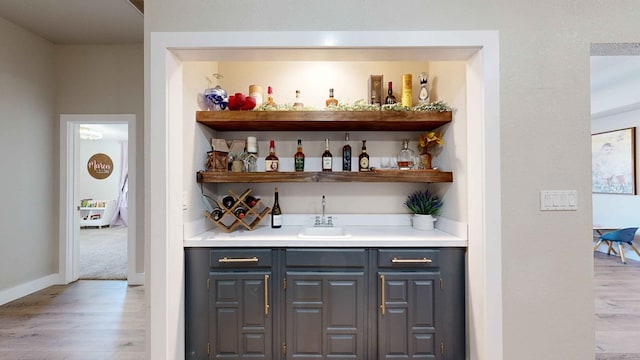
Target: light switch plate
(558, 200)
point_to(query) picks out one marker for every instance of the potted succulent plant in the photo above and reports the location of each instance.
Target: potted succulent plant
(425, 207)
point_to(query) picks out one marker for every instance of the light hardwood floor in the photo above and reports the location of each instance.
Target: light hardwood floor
(88, 319)
(104, 320)
(617, 308)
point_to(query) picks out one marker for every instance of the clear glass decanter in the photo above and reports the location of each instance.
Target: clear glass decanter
(405, 156)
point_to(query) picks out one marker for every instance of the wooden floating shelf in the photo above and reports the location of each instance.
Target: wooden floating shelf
(323, 120)
(409, 176)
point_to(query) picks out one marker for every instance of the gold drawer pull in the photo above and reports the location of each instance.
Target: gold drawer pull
(411, 261)
(237, 260)
(382, 296)
(266, 295)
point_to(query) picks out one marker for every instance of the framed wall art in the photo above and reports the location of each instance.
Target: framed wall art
(613, 162)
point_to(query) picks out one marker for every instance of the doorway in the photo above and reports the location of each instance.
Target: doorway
(77, 202)
(615, 105)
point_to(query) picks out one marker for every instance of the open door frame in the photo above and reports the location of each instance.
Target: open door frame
(69, 261)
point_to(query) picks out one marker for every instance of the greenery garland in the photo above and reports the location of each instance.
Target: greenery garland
(360, 105)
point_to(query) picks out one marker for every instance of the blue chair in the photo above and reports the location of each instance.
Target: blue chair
(620, 236)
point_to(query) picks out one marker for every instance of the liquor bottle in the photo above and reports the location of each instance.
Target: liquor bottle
(327, 158)
(298, 158)
(346, 154)
(406, 90)
(271, 161)
(405, 156)
(331, 101)
(276, 213)
(270, 101)
(363, 159)
(298, 101)
(390, 98)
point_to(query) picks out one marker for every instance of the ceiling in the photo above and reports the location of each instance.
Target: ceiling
(110, 132)
(77, 21)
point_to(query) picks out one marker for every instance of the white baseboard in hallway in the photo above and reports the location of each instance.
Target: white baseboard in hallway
(30, 287)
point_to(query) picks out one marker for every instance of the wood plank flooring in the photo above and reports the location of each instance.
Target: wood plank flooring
(88, 319)
(617, 308)
(105, 320)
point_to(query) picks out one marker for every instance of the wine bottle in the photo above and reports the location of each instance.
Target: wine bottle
(363, 163)
(298, 158)
(276, 213)
(390, 98)
(331, 101)
(228, 201)
(271, 161)
(240, 212)
(346, 154)
(217, 213)
(250, 201)
(327, 158)
(298, 101)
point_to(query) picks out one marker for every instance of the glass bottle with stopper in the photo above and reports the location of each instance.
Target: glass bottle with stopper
(405, 156)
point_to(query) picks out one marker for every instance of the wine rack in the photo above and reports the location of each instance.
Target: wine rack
(229, 221)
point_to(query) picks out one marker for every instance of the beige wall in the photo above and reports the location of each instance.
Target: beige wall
(106, 79)
(29, 175)
(350, 80)
(545, 132)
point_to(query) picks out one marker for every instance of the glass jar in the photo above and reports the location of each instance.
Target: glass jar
(217, 98)
(405, 156)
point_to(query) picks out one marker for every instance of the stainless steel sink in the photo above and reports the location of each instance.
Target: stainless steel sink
(323, 232)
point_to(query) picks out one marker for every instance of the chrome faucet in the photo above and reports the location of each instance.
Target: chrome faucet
(324, 221)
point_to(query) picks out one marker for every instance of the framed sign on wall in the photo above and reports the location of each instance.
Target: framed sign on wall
(100, 166)
(613, 162)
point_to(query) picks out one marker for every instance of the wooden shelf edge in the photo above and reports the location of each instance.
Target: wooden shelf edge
(323, 120)
(411, 176)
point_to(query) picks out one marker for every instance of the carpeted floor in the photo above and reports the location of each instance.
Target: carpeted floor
(103, 253)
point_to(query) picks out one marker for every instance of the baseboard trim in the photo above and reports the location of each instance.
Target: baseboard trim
(136, 279)
(30, 287)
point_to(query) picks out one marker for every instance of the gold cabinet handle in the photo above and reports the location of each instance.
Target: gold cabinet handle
(411, 261)
(237, 260)
(266, 295)
(382, 295)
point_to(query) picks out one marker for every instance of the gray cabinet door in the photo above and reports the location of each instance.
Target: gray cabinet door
(325, 315)
(240, 315)
(407, 315)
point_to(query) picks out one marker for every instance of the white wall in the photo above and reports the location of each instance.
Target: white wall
(100, 189)
(28, 179)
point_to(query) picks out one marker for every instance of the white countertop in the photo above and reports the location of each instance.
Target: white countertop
(360, 231)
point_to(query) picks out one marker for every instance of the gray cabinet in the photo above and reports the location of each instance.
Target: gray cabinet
(421, 304)
(325, 305)
(229, 310)
(321, 303)
(240, 315)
